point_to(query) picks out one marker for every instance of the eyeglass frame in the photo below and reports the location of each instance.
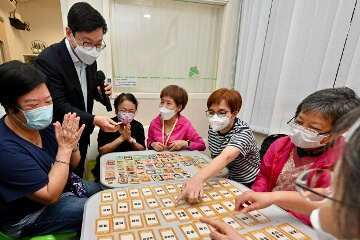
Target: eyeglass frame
(299, 186)
(309, 129)
(216, 113)
(103, 46)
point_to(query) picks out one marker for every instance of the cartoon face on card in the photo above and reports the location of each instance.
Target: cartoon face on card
(120, 163)
(134, 180)
(177, 175)
(147, 161)
(168, 170)
(121, 168)
(128, 157)
(150, 172)
(122, 174)
(164, 160)
(149, 166)
(136, 157)
(110, 174)
(110, 162)
(178, 170)
(110, 180)
(159, 165)
(157, 178)
(130, 168)
(129, 162)
(122, 180)
(141, 173)
(109, 168)
(145, 178)
(152, 156)
(119, 158)
(138, 161)
(139, 167)
(167, 177)
(168, 165)
(186, 163)
(159, 171)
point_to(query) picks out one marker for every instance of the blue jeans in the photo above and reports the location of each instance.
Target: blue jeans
(64, 216)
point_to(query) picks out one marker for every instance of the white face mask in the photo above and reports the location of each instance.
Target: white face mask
(303, 138)
(166, 113)
(315, 221)
(218, 123)
(87, 56)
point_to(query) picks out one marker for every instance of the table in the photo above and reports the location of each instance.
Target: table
(149, 213)
(124, 169)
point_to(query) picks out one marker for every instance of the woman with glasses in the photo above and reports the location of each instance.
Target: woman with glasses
(170, 130)
(332, 198)
(307, 147)
(130, 136)
(231, 142)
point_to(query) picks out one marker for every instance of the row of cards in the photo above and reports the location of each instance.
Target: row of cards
(197, 230)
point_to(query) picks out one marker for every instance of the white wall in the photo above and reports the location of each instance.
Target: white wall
(45, 21)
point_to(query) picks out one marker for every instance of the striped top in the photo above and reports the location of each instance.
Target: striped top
(246, 165)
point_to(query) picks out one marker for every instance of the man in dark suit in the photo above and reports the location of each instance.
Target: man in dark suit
(71, 65)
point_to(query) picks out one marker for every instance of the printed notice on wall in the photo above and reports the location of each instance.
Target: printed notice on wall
(125, 82)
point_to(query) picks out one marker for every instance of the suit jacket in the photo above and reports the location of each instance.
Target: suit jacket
(65, 89)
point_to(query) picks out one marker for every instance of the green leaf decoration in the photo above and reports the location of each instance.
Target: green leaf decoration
(193, 70)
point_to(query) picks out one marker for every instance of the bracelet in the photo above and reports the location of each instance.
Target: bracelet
(61, 161)
(77, 148)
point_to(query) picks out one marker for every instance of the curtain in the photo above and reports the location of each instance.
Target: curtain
(289, 49)
(157, 43)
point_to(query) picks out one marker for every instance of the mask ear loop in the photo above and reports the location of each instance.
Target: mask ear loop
(352, 130)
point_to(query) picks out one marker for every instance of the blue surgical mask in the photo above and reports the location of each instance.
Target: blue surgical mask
(38, 118)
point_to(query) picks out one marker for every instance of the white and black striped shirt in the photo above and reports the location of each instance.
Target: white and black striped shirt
(246, 165)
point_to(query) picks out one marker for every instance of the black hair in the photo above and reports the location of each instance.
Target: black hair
(331, 103)
(16, 79)
(125, 96)
(82, 17)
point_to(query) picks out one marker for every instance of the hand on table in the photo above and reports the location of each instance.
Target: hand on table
(158, 146)
(223, 230)
(178, 145)
(254, 201)
(193, 189)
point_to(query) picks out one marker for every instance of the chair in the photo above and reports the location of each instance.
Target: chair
(59, 236)
(268, 141)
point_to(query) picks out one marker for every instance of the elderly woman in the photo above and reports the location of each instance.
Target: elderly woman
(130, 137)
(36, 158)
(231, 142)
(308, 145)
(337, 217)
(170, 130)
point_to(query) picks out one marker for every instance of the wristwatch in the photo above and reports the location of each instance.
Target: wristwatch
(133, 141)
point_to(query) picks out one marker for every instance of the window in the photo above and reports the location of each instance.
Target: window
(157, 43)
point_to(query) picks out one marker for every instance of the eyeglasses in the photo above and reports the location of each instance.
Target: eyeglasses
(293, 124)
(314, 185)
(221, 113)
(123, 110)
(90, 46)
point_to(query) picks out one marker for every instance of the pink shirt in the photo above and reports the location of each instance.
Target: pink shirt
(183, 131)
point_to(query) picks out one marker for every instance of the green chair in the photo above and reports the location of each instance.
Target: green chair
(45, 237)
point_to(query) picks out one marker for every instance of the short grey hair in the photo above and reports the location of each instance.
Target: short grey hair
(331, 103)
